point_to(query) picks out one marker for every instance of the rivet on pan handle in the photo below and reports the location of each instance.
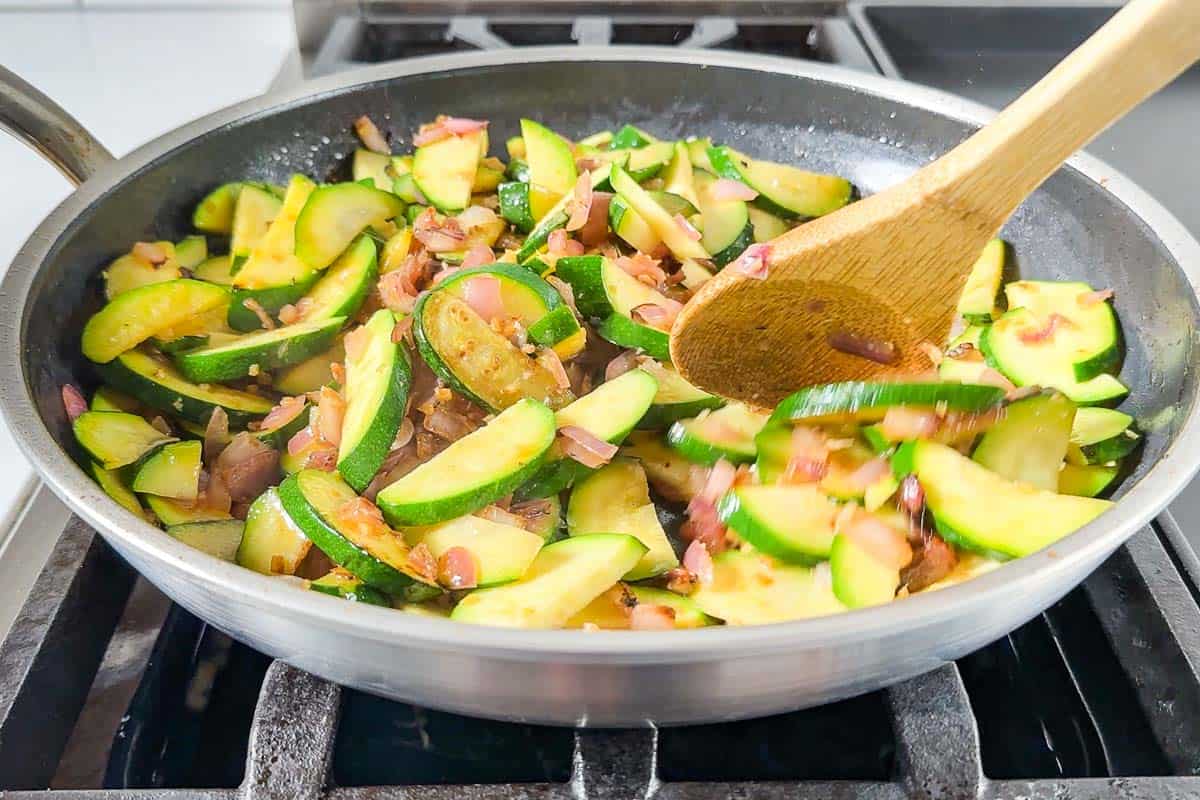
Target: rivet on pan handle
(46, 126)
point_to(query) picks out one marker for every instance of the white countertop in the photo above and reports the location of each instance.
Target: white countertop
(129, 72)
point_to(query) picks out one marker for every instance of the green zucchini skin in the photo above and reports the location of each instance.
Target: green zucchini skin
(791, 523)
(625, 332)
(867, 401)
(514, 205)
(271, 298)
(157, 384)
(803, 194)
(134, 316)
(218, 538)
(266, 350)
(115, 439)
(334, 216)
(342, 584)
(344, 287)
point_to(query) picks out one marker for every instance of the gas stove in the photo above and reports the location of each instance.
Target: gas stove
(108, 691)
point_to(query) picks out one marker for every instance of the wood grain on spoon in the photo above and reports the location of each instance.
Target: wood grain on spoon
(889, 268)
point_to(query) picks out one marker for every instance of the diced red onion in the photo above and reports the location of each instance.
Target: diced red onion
(880, 351)
(869, 473)
(355, 343)
(401, 330)
(300, 441)
(725, 189)
(288, 409)
(698, 561)
(641, 265)
(560, 244)
(393, 294)
(501, 516)
(651, 617)
(655, 315)
(438, 234)
(720, 480)
(477, 256)
(911, 496)
(554, 365)
(331, 411)
(264, 319)
(247, 466)
(595, 230)
(1046, 332)
(564, 289)
(902, 423)
(1089, 299)
(321, 455)
(688, 229)
(457, 570)
(581, 202)
(448, 424)
(627, 360)
(152, 252)
(532, 512)
(934, 561)
(216, 434)
(430, 133)
(460, 126)
(482, 294)
(878, 538)
(422, 562)
(808, 456)
(582, 446)
(73, 402)
(370, 136)
(473, 217)
(753, 261)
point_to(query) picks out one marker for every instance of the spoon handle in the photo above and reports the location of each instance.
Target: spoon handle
(1140, 50)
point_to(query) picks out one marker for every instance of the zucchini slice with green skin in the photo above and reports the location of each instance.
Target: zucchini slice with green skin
(1086, 481)
(728, 433)
(1090, 339)
(136, 315)
(644, 163)
(474, 471)
(629, 136)
(611, 610)
(502, 553)
(766, 225)
(214, 214)
(334, 216)
(523, 295)
(310, 374)
(657, 217)
(341, 583)
(977, 303)
(218, 538)
(551, 162)
(172, 512)
(616, 499)
(609, 413)
(678, 178)
(312, 499)
(344, 287)
(367, 165)
(783, 190)
(605, 291)
(671, 475)
(475, 360)
(698, 153)
(515, 206)
(559, 330)
(977, 509)
(964, 361)
(110, 481)
(190, 251)
(264, 350)
(217, 269)
(378, 377)
(1028, 445)
(1041, 363)
(868, 401)
(130, 272)
(687, 613)
(518, 169)
(631, 228)
(115, 439)
(444, 171)
(792, 523)
(625, 332)
(155, 382)
(727, 227)
(561, 581)
(272, 544)
(1112, 449)
(676, 399)
(859, 578)
(555, 218)
(106, 398)
(1104, 434)
(173, 471)
(750, 588)
(256, 208)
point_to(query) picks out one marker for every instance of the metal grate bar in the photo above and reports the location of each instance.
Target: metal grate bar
(1096, 789)
(937, 740)
(291, 738)
(1150, 618)
(123, 794)
(51, 654)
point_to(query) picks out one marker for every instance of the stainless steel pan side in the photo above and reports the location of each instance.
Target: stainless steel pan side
(1087, 222)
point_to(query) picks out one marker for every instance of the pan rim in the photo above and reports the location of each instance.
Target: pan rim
(1143, 501)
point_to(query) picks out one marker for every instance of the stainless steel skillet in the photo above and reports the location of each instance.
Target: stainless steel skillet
(1087, 222)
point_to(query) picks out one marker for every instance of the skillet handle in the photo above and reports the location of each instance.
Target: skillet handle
(46, 127)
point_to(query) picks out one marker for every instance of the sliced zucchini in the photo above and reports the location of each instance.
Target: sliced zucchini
(676, 399)
(475, 360)
(342, 583)
(474, 471)
(116, 439)
(218, 538)
(395, 251)
(1049, 363)
(559, 330)
(554, 218)
(515, 206)
(616, 499)
(611, 610)
(518, 168)
(112, 484)
(629, 136)
(1090, 338)
(444, 171)
(561, 581)
(191, 251)
(979, 510)
(551, 162)
(264, 350)
(656, 216)
(698, 153)
(1103, 434)
(767, 226)
(859, 578)
(868, 401)
(523, 295)
(255, 209)
(671, 475)
(155, 382)
(625, 332)
(604, 290)
(173, 471)
(750, 588)
(1028, 445)
(312, 373)
(344, 287)
(609, 413)
(105, 398)
(502, 552)
(272, 543)
(138, 314)
(1109, 450)
(963, 361)
(367, 165)
(172, 512)
(378, 376)
(792, 523)
(334, 216)
(217, 269)
(631, 228)
(727, 227)
(1086, 481)
(312, 499)
(215, 213)
(725, 433)
(644, 163)
(130, 272)
(977, 303)
(783, 190)
(678, 178)
(487, 178)
(206, 328)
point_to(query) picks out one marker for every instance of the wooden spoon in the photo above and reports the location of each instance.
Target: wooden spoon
(888, 269)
